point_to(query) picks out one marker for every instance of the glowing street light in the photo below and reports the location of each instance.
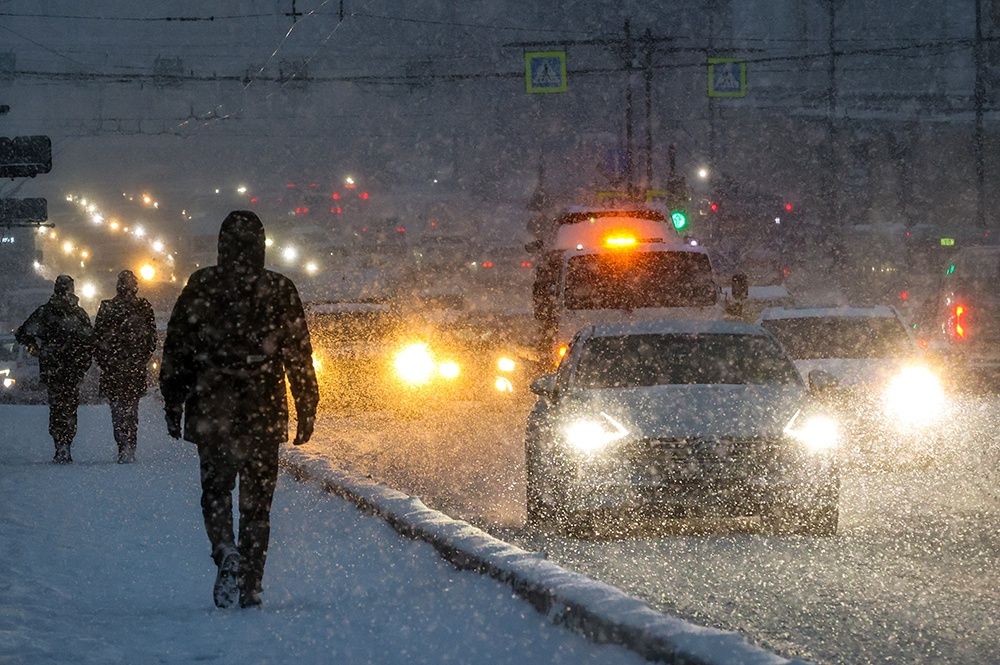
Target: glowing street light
(139, 232)
(289, 253)
(67, 247)
(268, 242)
(158, 246)
(114, 225)
(242, 189)
(88, 290)
(147, 199)
(703, 173)
(97, 218)
(312, 268)
(147, 272)
(84, 254)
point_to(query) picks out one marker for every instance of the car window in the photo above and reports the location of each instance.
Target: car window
(840, 337)
(677, 359)
(632, 280)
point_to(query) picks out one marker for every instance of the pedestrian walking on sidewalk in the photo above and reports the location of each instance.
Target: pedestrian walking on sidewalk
(124, 340)
(60, 334)
(236, 333)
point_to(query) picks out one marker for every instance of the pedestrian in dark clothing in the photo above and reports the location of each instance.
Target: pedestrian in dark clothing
(124, 339)
(59, 333)
(236, 332)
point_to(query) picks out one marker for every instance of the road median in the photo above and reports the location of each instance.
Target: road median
(598, 611)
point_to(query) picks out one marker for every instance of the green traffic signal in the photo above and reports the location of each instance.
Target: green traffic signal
(679, 219)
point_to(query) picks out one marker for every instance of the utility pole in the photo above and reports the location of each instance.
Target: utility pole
(979, 99)
(625, 48)
(296, 14)
(830, 188)
(647, 75)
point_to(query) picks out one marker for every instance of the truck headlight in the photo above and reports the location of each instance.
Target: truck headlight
(414, 364)
(914, 398)
(449, 369)
(591, 435)
(816, 433)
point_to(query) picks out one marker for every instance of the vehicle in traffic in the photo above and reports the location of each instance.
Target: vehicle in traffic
(19, 375)
(887, 394)
(960, 322)
(620, 265)
(678, 418)
(377, 354)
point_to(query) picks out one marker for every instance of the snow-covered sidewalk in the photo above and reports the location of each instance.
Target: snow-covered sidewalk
(101, 563)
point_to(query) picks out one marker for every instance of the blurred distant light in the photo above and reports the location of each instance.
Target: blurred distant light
(216, 190)
(67, 247)
(156, 204)
(289, 253)
(157, 245)
(400, 229)
(139, 232)
(435, 181)
(84, 254)
(147, 199)
(254, 199)
(703, 173)
(268, 242)
(363, 196)
(98, 218)
(301, 210)
(88, 290)
(83, 202)
(777, 220)
(147, 272)
(36, 265)
(349, 181)
(789, 206)
(91, 208)
(312, 268)
(242, 189)
(335, 196)
(713, 206)
(53, 235)
(69, 197)
(114, 225)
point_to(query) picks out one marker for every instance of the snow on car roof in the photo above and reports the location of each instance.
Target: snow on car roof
(677, 327)
(878, 311)
(679, 246)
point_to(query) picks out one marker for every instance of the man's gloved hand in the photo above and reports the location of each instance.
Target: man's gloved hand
(304, 430)
(173, 415)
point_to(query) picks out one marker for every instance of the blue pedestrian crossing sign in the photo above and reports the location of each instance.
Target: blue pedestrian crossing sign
(727, 77)
(545, 71)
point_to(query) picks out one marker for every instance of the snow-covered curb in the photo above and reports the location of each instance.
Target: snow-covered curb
(596, 610)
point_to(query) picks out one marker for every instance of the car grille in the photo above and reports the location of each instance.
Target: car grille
(659, 460)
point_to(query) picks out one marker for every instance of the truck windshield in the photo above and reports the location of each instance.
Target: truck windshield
(679, 359)
(633, 280)
(810, 338)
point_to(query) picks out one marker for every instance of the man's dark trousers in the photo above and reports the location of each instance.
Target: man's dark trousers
(256, 465)
(125, 422)
(63, 403)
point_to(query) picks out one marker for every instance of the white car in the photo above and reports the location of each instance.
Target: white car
(680, 417)
(872, 372)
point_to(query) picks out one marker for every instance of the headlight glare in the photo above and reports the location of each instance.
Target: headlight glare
(591, 435)
(505, 364)
(817, 433)
(914, 397)
(414, 364)
(449, 369)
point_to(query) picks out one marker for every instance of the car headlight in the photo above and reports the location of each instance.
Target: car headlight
(914, 397)
(817, 433)
(503, 385)
(591, 435)
(449, 369)
(8, 382)
(505, 364)
(414, 364)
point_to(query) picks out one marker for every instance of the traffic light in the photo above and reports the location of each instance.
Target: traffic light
(713, 206)
(679, 219)
(789, 206)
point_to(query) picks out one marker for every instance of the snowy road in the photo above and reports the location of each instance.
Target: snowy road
(910, 578)
(101, 563)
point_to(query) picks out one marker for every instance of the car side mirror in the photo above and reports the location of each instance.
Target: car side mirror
(544, 386)
(821, 381)
(741, 287)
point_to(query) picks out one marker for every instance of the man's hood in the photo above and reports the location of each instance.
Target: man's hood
(242, 243)
(62, 292)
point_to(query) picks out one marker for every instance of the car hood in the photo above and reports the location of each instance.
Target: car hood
(852, 372)
(695, 410)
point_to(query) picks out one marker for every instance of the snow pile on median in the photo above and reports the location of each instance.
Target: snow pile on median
(597, 610)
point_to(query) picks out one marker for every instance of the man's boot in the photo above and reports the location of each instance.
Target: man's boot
(227, 586)
(62, 455)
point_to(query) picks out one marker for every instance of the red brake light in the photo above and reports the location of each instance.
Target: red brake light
(525, 264)
(789, 207)
(254, 199)
(400, 229)
(904, 295)
(335, 196)
(302, 210)
(363, 196)
(487, 264)
(713, 206)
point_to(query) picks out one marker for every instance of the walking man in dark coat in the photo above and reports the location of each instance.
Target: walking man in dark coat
(236, 332)
(124, 339)
(59, 333)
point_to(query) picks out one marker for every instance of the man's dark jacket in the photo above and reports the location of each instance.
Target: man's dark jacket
(124, 339)
(59, 332)
(235, 332)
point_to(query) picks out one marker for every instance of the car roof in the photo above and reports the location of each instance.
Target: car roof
(679, 246)
(677, 327)
(875, 312)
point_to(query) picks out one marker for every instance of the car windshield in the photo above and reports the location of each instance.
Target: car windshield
(633, 280)
(809, 338)
(8, 349)
(676, 359)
